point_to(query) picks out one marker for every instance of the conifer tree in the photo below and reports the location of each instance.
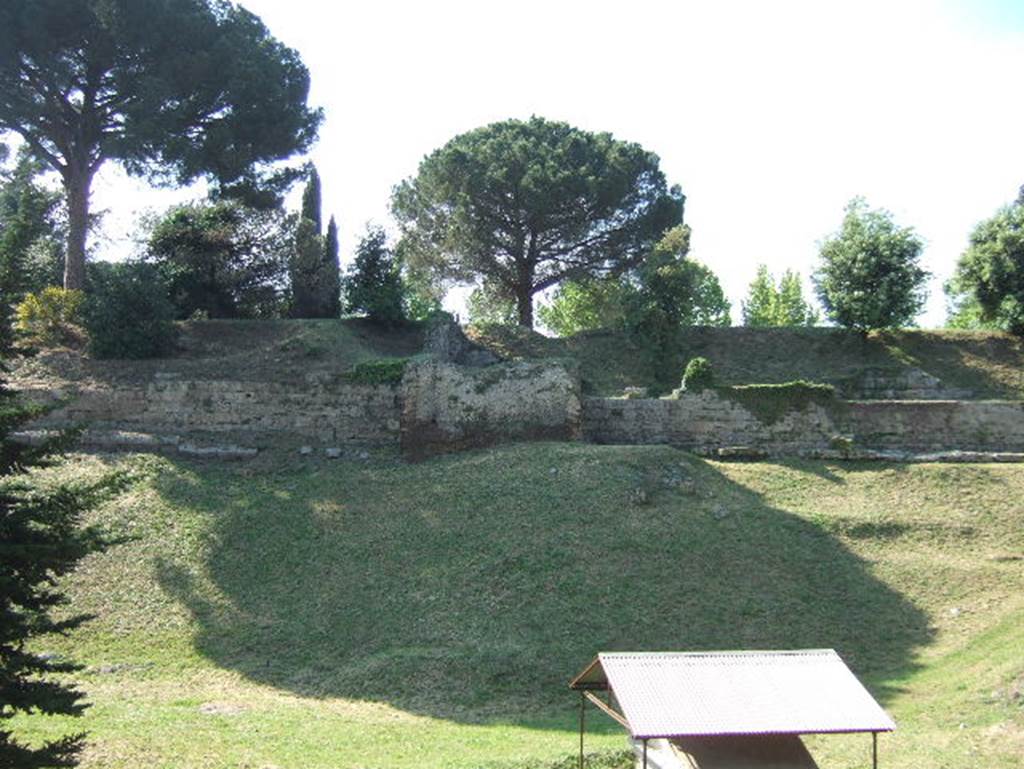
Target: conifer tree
(332, 271)
(311, 200)
(793, 309)
(304, 270)
(759, 307)
(373, 285)
(41, 539)
(314, 271)
(768, 304)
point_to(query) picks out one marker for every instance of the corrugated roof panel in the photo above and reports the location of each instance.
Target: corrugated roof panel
(677, 694)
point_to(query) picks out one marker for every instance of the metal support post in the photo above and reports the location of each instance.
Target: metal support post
(874, 750)
(645, 754)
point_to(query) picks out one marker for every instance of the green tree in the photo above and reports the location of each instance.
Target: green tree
(373, 285)
(311, 200)
(423, 298)
(758, 309)
(525, 205)
(794, 310)
(29, 237)
(988, 286)
(869, 276)
(486, 306)
(964, 312)
(587, 305)
(128, 312)
(42, 538)
(222, 259)
(665, 293)
(313, 268)
(171, 89)
(331, 271)
(304, 270)
(768, 304)
(673, 293)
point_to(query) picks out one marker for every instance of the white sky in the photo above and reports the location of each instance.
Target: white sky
(770, 115)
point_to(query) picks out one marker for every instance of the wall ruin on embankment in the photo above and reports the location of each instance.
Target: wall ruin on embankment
(441, 407)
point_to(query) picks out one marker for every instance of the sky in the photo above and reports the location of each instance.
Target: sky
(771, 116)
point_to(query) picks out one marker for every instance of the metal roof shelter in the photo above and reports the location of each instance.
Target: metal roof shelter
(732, 709)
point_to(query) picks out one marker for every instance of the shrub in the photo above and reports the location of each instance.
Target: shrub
(50, 316)
(129, 313)
(698, 375)
(374, 372)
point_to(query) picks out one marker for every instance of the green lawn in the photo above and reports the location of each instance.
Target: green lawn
(287, 613)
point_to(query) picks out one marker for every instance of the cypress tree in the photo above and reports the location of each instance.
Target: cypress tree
(332, 272)
(315, 274)
(305, 269)
(311, 203)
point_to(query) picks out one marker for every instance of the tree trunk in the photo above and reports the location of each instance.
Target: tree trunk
(524, 305)
(525, 265)
(76, 188)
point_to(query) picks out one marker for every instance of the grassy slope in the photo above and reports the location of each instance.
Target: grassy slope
(265, 350)
(388, 615)
(989, 364)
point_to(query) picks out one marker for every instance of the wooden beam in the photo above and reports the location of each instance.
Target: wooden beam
(607, 710)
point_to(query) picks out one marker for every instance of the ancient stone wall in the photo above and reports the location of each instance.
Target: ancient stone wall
(708, 422)
(324, 412)
(443, 407)
(448, 407)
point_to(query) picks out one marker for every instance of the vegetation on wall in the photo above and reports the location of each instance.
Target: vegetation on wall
(376, 372)
(770, 402)
(698, 375)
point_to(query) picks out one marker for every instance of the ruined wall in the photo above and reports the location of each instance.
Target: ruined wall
(318, 411)
(438, 407)
(707, 422)
(444, 407)
(448, 407)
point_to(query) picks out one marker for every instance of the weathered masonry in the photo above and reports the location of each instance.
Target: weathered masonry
(443, 407)
(707, 422)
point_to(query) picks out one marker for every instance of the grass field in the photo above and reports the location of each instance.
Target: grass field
(287, 613)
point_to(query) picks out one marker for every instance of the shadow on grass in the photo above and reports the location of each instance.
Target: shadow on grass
(473, 587)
